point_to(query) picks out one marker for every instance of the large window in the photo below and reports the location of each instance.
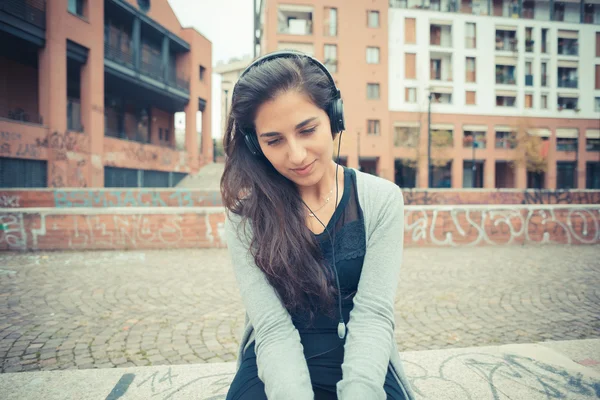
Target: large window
(405, 174)
(331, 59)
(76, 7)
(592, 175)
(442, 176)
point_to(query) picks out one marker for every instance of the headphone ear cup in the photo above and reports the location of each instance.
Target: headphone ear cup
(252, 145)
(336, 116)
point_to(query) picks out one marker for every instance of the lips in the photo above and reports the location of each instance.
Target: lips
(303, 168)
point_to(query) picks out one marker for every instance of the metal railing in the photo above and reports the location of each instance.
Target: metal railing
(121, 55)
(18, 113)
(567, 83)
(570, 49)
(32, 11)
(505, 79)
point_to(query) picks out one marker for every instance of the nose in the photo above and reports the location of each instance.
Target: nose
(297, 153)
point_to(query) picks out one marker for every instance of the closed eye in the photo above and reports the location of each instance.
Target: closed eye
(304, 132)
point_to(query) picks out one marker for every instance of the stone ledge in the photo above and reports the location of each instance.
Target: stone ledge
(568, 369)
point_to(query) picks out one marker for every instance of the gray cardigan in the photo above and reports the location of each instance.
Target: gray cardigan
(370, 345)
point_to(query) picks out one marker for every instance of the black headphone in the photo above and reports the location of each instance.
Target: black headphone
(335, 111)
(336, 116)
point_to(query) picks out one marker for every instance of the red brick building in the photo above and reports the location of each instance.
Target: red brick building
(89, 89)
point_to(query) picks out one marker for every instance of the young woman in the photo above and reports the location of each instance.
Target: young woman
(316, 247)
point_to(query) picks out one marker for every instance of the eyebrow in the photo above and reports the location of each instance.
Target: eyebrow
(299, 126)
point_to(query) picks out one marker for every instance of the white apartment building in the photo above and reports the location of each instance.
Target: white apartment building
(490, 75)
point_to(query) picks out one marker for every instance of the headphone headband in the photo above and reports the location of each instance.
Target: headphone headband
(292, 53)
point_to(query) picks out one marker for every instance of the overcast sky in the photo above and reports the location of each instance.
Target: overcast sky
(228, 25)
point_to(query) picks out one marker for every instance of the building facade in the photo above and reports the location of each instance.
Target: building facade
(89, 90)
(510, 90)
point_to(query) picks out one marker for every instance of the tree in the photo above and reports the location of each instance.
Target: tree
(529, 149)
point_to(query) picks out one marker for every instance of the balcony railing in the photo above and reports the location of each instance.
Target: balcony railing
(544, 80)
(567, 83)
(571, 49)
(32, 11)
(506, 44)
(505, 79)
(528, 80)
(150, 65)
(17, 113)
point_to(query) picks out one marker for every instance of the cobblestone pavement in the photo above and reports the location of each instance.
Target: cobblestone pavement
(105, 309)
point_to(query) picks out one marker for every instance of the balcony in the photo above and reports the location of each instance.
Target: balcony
(567, 83)
(440, 35)
(295, 19)
(505, 75)
(32, 11)
(506, 41)
(19, 114)
(567, 102)
(568, 47)
(441, 98)
(150, 64)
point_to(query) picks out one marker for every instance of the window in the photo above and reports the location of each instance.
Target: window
(506, 101)
(440, 35)
(470, 69)
(470, 98)
(76, 7)
(597, 80)
(331, 61)
(565, 175)
(567, 102)
(567, 77)
(528, 9)
(597, 104)
(373, 127)
(506, 40)
(441, 98)
(528, 73)
(544, 102)
(373, 19)
(144, 5)
(410, 66)
(442, 176)
(410, 35)
(373, 91)
(544, 74)
(406, 136)
(202, 72)
(473, 137)
(330, 27)
(411, 95)
(559, 12)
(470, 38)
(442, 138)
(528, 101)
(472, 174)
(592, 175)
(592, 144)
(566, 144)
(568, 43)
(295, 19)
(529, 40)
(505, 140)
(406, 174)
(160, 133)
(544, 40)
(372, 55)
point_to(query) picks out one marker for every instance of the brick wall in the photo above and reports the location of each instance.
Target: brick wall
(202, 227)
(68, 198)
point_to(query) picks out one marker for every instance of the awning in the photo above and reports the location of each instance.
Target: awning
(295, 8)
(567, 133)
(539, 132)
(592, 133)
(506, 27)
(567, 64)
(475, 128)
(440, 22)
(507, 93)
(442, 127)
(568, 34)
(441, 90)
(568, 95)
(503, 128)
(407, 124)
(506, 60)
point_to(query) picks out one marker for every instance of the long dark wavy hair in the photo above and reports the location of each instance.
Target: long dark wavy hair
(282, 246)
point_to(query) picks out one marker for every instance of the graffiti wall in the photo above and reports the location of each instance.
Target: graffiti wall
(87, 229)
(70, 198)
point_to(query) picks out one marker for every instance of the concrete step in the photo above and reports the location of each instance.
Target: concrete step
(208, 178)
(561, 370)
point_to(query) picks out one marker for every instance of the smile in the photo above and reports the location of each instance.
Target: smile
(304, 170)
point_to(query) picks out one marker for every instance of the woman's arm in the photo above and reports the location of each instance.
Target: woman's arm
(279, 352)
(371, 327)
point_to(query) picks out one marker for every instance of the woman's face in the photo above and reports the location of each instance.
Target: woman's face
(295, 136)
